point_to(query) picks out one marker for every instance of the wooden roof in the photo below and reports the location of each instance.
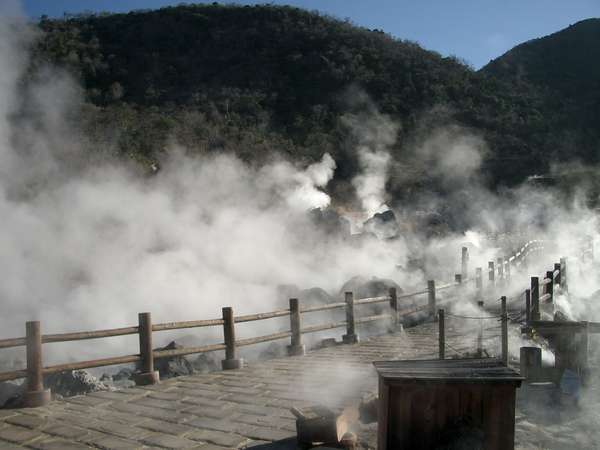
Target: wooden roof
(471, 370)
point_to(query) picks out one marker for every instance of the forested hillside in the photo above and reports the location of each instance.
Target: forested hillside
(565, 67)
(269, 79)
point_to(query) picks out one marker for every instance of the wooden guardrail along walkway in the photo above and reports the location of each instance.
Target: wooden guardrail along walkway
(34, 340)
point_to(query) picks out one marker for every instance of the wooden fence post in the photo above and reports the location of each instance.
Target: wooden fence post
(296, 347)
(563, 274)
(441, 334)
(500, 266)
(431, 298)
(527, 306)
(557, 278)
(479, 283)
(230, 361)
(531, 362)
(147, 373)
(550, 286)
(464, 263)
(35, 395)
(480, 333)
(350, 337)
(535, 298)
(504, 332)
(394, 307)
(491, 273)
(458, 278)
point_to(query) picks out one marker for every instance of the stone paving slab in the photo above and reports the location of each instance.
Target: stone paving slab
(242, 408)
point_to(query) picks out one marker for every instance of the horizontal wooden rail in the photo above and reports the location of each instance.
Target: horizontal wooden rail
(545, 297)
(83, 335)
(327, 326)
(266, 338)
(13, 375)
(16, 342)
(187, 324)
(323, 307)
(413, 310)
(262, 316)
(446, 286)
(556, 273)
(552, 327)
(158, 354)
(145, 328)
(92, 363)
(367, 301)
(373, 318)
(413, 294)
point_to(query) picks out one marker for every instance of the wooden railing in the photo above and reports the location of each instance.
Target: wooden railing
(36, 395)
(503, 266)
(33, 341)
(539, 301)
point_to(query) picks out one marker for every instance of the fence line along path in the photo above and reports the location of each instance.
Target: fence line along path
(37, 395)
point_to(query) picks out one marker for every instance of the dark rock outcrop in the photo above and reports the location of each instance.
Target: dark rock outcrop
(175, 366)
(363, 287)
(75, 382)
(384, 225)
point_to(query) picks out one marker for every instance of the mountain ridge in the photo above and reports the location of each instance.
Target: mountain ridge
(263, 80)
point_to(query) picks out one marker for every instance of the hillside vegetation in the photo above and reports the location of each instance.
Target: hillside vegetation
(268, 79)
(565, 68)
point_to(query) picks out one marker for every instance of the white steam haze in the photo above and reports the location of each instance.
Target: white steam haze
(375, 133)
(87, 243)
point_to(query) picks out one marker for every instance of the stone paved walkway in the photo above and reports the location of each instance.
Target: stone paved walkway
(232, 409)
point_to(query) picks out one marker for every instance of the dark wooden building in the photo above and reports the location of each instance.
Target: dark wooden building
(428, 404)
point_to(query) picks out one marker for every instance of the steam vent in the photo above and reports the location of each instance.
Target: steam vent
(461, 403)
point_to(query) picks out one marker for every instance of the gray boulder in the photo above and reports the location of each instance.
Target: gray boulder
(11, 392)
(363, 287)
(74, 382)
(173, 367)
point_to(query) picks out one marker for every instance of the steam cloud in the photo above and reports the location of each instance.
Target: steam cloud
(86, 243)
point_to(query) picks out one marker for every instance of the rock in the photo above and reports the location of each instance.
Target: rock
(384, 225)
(286, 291)
(326, 343)
(105, 378)
(122, 379)
(173, 367)
(273, 350)
(330, 222)
(74, 382)
(11, 392)
(363, 287)
(123, 374)
(314, 296)
(206, 362)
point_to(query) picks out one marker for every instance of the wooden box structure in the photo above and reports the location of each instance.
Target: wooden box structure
(569, 341)
(424, 404)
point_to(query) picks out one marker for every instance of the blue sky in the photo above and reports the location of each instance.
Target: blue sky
(474, 30)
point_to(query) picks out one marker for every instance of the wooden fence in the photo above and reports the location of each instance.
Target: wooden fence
(539, 298)
(36, 395)
(499, 274)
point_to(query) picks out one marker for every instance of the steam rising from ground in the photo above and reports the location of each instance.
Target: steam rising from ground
(374, 133)
(86, 243)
